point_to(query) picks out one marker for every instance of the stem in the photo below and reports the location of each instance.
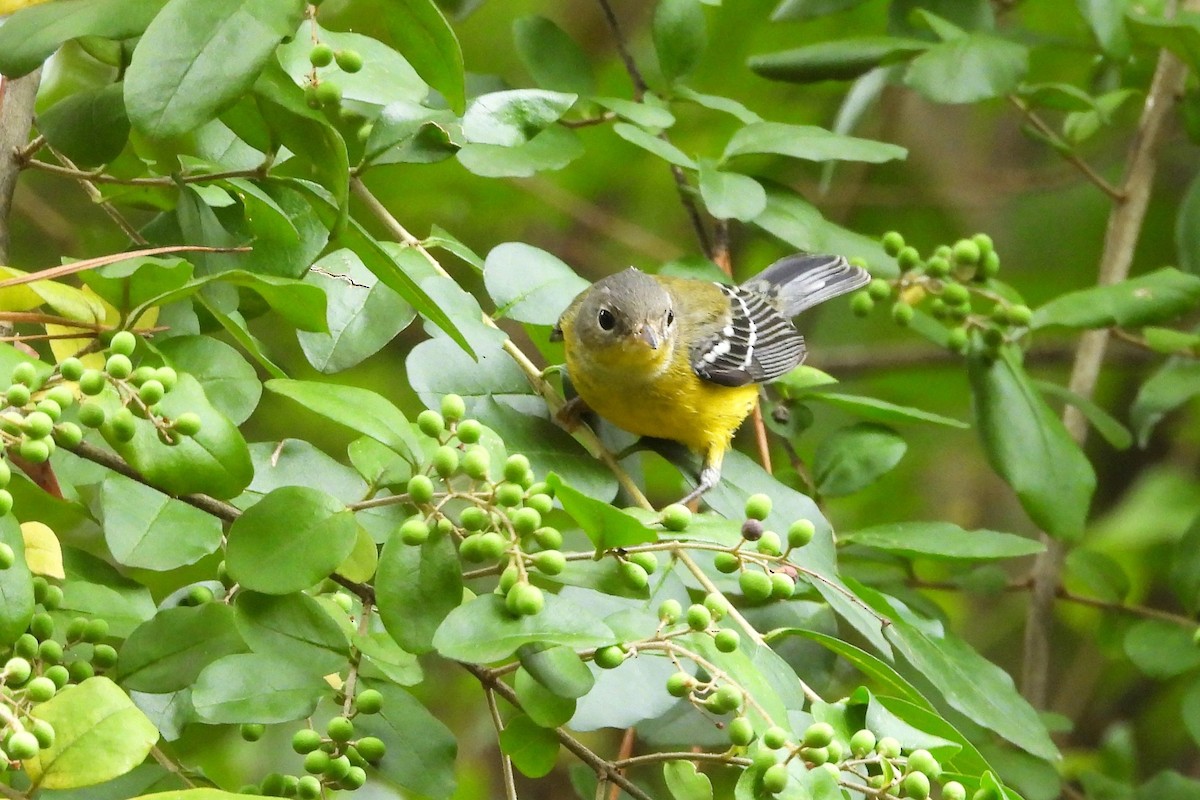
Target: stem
(166, 763)
(175, 180)
(510, 786)
(1124, 226)
(16, 120)
(364, 625)
(658, 758)
(95, 195)
(1064, 149)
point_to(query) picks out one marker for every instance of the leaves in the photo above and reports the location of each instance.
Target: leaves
(532, 748)
(1157, 296)
(253, 687)
(512, 118)
(841, 60)
(16, 584)
(169, 651)
(552, 57)
(942, 540)
(360, 409)
(198, 56)
(417, 588)
(729, 195)
(426, 39)
(294, 627)
(482, 630)
(32, 34)
(808, 142)
(1176, 382)
(968, 68)
(90, 128)
(145, 528)
(420, 749)
(855, 457)
(528, 284)
(606, 526)
(680, 35)
(875, 410)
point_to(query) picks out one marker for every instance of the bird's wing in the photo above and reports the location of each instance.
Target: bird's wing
(756, 343)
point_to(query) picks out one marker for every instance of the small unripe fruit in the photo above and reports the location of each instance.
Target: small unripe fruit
(609, 657)
(25, 646)
(1020, 315)
(541, 503)
(835, 750)
(59, 674)
(758, 506)
(104, 656)
(888, 747)
(676, 517)
(548, 538)
(476, 462)
(469, 549)
(680, 684)
(509, 495)
(371, 748)
(96, 630)
(43, 731)
(524, 600)
(123, 343)
(893, 243)
(414, 531)
(800, 533)
(16, 671)
(862, 743)
(71, 368)
(338, 768)
(24, 373)
(6, 504)
(17, 395)
(469, 431)
(340, 729)
(473, 518)
(36, 451)
(118, 366)
(990, 266)
(52, 598)
(92, 415)
(50, 408)
(50, 652)
(305, 741)
(92, 382)
(729, 698)
(815, 755)
(38, 425)
(187, 424)
(445, 461)
(355, 778)
(198, 596)
(937, 267)
(308, 787)
(68, 435)
(646, 560)
(492, 545)
(774, 737)
(328, 93)
(151, 392)
(726, 563)
(908, 257)
(453, 408)
(22, 745)
(879, 289)
(755, 586)
(727, 640)
(634, 575)
(698, 617)
(957, 339)
(316, 762)
(168, 377)
(420, 489)
(41, 624)
(769, 544)
(141, 375)
(861, 304)
(5, 473)
(741, 731)
(915, 785)
(252, 731)
(819, 734)
(775, 778)
(122, 425)
(782, 586)
(953, 790)
(516, 468)
(967, 251)
(40, 689)
(368, 701)
(550, 562)
(955, 294)
(321, 55)
(923, 761)
(670, 611)
(349, 60)
(902, 314)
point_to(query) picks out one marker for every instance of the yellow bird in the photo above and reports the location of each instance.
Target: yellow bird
(681, 359)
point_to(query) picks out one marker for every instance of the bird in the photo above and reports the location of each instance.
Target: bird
(682, 358)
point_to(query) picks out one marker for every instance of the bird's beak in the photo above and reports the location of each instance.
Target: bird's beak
(649, 335)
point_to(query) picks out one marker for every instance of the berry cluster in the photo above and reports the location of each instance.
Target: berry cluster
(951, 285)
(38, 666)
(337, 760)
(764, 573)
(323, 91)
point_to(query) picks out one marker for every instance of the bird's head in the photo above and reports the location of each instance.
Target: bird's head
(629, 313)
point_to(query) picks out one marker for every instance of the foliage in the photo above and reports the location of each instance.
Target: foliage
(323, 565)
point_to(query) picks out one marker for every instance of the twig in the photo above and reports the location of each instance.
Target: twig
(99, 199)
(510, 786)
(623, 753)
(166, 763)
(635, 75)
(364, 627)
(658, 758)
(95, 176)
(1064, 149)
(553, 400)
(16, 118)
(53, 273)
(1124, 227)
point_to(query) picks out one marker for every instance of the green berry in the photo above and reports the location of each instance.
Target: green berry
(38, 425)
(40, 585)
(680, 684)
(990, 266)
(609, 657)
(36, 451)
(123, 343)
(893, 243)
(550, 562)
(338, 768)
(957, 339)
(252, 731)
(993, 337)
(469, 431)
(769, 544)
(923, 761)
(1020, 315)
(509, 495)
(122, 425)
(328, 93)
(888, 747)
(727, 640)
(670, 611)
(25, 646)
(321, 55)
(476, 462)
(42, 624)
(469, 549)
(902, 314)
(937, 267)
(371, 748)
(50, 408)
(634, 575)
(815, 755)
(340, 729)
(453, 407)
(50, 652)
(717, 605)
(698, 617)
(43, 731)
(355, 778)
(420, 489)
(25, 373)
(800, 533)
(187, 424)
(349, 60)
(726, 562)
(104, 656)
(151, 392)
(955, 294)
(548, 538)
(775, 778)
(730, 697)
(783, 586)
(861, 304)
(97, 630)
(774, 737)
(8, 556)
(879, 289)
(310, 96)
(16, 671)
(445, 461)
(516, 468)
(17, 395)
(198, 596)
(984, 243)
(141, 375)
(524, 600)
(835, 751)
(953, 790)
(755, 585)
(915, 785)
(414, 531)
(368, 701)
(53, 598)
(306, 740)
(92, 415)
(5, 472)
(525, 520)
(676, 517)
(819, 734)
(967, 251)
(646, 560)
(758, 506)
(58, 673)
(318, 760)
(118, 366)
(473, 518)
(741, 731)
(168, 377)
(68, 435)
(908, 257)
(862, 743)
(492, 545)
(92, 382)
(309, 786)
(71, 368)
(6, 504)
(431, 423)
(541, 503)
(22, 745)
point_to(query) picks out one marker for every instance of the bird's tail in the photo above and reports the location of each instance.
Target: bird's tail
(802, 281)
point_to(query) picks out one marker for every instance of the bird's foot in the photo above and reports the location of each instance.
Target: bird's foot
(708, 479)
(570, 416)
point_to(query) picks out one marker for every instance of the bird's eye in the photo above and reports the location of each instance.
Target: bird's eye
(670, 317)
(606, 319)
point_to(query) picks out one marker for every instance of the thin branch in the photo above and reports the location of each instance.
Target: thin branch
(588, 122)
(553, 400)
(510, 786)
(1124, 228)
(364, 627)
(97, 197)
(623, 753)
(658, 758)
(10, 792)
(635, 75)
(53, 273)
(1065, 150)
(16, 118)
(166, 763)
(96, 176)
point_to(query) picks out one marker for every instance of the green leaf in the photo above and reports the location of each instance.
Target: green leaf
(301, 304)
(552, 149)
(215, 461)
(793, 219)
(552, 57)
(650, 113)
(1079, 126)
(730, 195)
(809, 9)
(293, 627)
(840, 60)
(942, 541)
(513, 118)
(99, 734)
(1180, 35)
(1027, 446)
(685, 782)
(407, 131)
(417, 588)
(1185, 568)
(716, 103)
(198, 56)
(1105, 424)
(1157, 296)
(967, 69)
(285, 233)
(1187, 229)
(166, 653)
(420, 749)
(875, 410)
(16, 585)
(808, 142)
(680, 36)
(130, 283)
(559, 669)
(1106, 18)
(1171, 386)
(1161, 649)
(1100, 575)
(31, 35)
(382, 653)
(854, 457)
(425, 38)
(528, 284)
(289, 540)
(228, 381)
(253, 687)
(870, 665)
(356, 408)
(363, 314)
(482, 630)
(967, 760)
(89, 127)
(543, 706)
(652, 144)
(145, 528)
(1171, 342)
(532, 748)
(93, 588)
(607, 527)
(1060, 96)
(437, 368)
(462, 306)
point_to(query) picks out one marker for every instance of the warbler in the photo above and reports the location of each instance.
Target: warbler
(681, 358)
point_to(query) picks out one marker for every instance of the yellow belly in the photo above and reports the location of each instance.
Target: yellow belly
(664, 401)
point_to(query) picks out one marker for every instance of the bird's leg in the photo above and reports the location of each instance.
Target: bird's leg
(570, 416)
(708, 479)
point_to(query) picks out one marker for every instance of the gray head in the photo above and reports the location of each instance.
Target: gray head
(629, 306)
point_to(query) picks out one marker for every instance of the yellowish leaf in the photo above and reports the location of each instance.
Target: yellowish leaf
(16, 298)
(42, 551)
(11, 6)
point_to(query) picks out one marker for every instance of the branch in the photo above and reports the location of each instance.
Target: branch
(1124, 226)
(96, 176)
(1065, 150)
(510, 786)
(658, 758)
(16, 119)
(99, 199)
